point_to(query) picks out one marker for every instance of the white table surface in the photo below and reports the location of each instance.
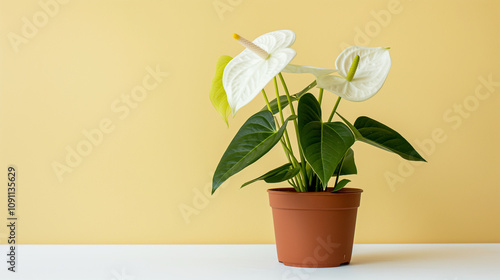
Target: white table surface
(148, 262)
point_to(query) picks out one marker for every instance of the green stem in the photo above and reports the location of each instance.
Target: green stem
(278, 97)
(310, 175)
(334, 109)
(287, 138)
(291, 158)
(340, 171)
(320, 96)
(267, 101)
(318, 184)
(287, 154)
(295, 163)
(283, 144)
(292, 110)
(306, 89)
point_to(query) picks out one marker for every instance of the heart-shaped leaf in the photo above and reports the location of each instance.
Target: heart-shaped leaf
(324, 145)
(309, 110)
(384, 137)
(348, 167)
(277, 175)
(217, 93)
(254, 139)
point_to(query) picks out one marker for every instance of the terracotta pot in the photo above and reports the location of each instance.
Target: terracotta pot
(314, 229)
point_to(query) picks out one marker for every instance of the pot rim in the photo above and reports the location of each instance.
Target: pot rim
(291, 191)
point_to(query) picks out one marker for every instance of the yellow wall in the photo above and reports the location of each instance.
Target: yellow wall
(73, 70)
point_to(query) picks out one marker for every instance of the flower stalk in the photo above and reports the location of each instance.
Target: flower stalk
(292, 110)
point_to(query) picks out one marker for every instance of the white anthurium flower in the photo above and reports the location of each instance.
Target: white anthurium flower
(299, 69)
(250, 71)
(362, 71)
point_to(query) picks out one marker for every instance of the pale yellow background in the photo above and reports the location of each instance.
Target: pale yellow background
(158, 160)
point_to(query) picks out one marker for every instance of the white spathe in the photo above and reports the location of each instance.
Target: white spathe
(299, 69)
(247, 73)
(373, 68)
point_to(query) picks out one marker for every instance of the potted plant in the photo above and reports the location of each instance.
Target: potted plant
(314, 220)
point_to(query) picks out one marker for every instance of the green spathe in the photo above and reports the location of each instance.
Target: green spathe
(217, 93)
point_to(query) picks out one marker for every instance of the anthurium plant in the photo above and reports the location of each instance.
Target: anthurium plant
(324, 147)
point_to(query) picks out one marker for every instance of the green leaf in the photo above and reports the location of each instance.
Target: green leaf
(255, 138)
(341, 185)
(384, 137)
(217, 93)
(348, 167)
(274, 104)
(324, 145)
(280, 174)
(308, 110)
